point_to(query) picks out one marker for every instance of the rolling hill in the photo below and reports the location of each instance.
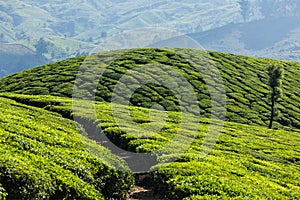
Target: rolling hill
(258, 38)
(15, 58)
(245, 82)
(246, 161)
(75, 28)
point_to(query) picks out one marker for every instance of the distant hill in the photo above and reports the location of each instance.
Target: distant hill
(74, 28)
(16, 57)
(271, 37)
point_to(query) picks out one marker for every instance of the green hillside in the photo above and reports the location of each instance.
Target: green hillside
(43, 157)
(40, 141)
(247, 161)
(76, 27)
(244, 78)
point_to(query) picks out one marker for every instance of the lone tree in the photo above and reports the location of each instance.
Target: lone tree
(275, 81)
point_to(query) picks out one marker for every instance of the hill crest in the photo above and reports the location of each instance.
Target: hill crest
(245, 82)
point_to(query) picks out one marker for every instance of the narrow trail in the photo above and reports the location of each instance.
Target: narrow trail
(141, 193)
(143, 189)
(138, 163)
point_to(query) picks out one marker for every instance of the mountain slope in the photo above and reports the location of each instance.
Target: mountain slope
(271, 37)
(76, 27)
(245, 82)
(15, 58)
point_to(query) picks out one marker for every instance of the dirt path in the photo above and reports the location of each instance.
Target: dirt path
(141, 193)
(143, 189)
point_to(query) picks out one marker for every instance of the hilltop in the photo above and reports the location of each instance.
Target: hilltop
(246, 160)
(75, 28)
(244, 81)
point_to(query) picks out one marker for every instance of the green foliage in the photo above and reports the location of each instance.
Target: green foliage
(245, 81)
(44, 157)
(275, 81)
(247, 161)
(3, 194)
(275, 76)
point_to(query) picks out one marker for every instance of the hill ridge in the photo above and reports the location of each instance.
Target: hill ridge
(245, 82)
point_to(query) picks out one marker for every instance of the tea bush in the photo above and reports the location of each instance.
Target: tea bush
(44, 157)
(244, 78)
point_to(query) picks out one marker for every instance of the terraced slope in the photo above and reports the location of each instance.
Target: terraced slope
(40, 142)
(247, 161)
(44, 157)
(244, 79)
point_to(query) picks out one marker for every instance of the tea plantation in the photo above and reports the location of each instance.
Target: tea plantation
(247, 162)
(244, 79)
(46, 155)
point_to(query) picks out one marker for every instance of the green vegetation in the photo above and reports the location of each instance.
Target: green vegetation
(245, 81)
(249, 161)
(56, 79)
(275, 82)
(43, 157)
